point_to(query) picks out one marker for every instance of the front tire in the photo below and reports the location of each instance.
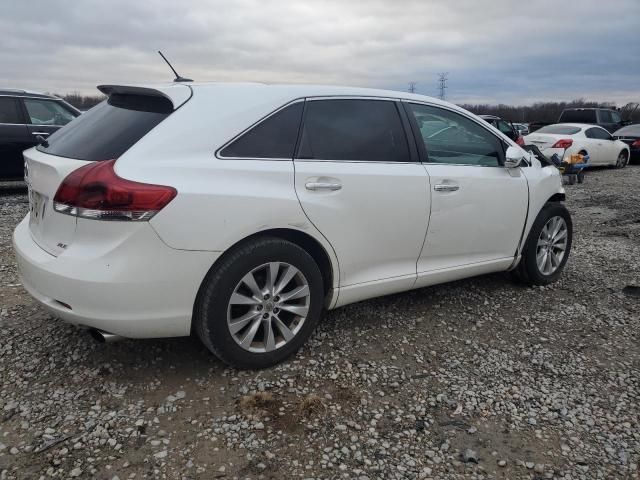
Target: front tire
(260, 303)
(548, 245)
(623, 160)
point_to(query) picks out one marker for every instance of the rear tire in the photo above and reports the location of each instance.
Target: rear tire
(541, 262)
(260, 303)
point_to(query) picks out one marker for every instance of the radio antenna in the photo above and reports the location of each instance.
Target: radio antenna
(178, 77)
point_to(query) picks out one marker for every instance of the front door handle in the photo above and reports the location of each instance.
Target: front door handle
(315, 186)
(40, 133)
(446, 187)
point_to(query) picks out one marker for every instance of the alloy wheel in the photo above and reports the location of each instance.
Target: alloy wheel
(268, 307)
(622, 160)
(552, 245)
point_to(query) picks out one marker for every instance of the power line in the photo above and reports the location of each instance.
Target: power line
(412, 87)
(442, 84)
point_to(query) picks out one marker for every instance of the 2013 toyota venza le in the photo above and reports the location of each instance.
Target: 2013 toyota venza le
(241, 211)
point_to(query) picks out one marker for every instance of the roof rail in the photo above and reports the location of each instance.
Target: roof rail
(12, 90)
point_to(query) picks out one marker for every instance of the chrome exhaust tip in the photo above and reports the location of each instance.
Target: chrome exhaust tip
(104, 337)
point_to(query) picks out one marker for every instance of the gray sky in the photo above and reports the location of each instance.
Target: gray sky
(496, 51)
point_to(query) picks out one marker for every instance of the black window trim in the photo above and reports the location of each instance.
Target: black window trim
(218, 152)
(413, 153)
(424, 154)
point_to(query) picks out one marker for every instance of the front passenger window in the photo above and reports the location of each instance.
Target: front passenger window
(47, 112)
(452, 138)
(505, 128)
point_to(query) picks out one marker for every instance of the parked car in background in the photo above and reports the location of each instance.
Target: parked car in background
(534, 126)
(610, 120)
(505, 127)
(240, 212)
(631, 136)
(24, 116)
(569, 138)
(522, 128)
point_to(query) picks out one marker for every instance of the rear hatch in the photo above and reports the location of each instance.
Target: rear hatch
(547, 136)
(103, 133)
(543, 141)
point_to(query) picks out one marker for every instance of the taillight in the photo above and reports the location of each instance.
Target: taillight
(636, 143)
(520, 140)
(564, 143)
(95, 191)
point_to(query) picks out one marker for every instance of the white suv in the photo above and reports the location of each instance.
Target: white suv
(241, 211)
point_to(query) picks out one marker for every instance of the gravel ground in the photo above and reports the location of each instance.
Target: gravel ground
(476, 379)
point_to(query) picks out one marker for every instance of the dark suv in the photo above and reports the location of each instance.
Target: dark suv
(603, 117)
(24, 116)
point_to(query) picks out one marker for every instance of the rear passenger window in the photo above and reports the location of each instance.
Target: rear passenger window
(356, 130)
(47, 112)
(9, 112)
(455, 139)
(605, 116)
(274, 137)
(598, 133)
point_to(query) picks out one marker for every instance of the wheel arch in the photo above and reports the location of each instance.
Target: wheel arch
(556, 197)
(327, 264)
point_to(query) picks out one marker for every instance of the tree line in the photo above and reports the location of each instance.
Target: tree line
(81, 102)
(548, 112)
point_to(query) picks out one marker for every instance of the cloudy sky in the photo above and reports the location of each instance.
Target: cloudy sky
(496, 51)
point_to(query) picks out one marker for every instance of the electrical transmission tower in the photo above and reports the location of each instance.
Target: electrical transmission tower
(442, 84)
(412, 87)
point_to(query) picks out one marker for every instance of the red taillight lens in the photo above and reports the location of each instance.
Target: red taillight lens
(564, 143)
(95, 191)
(636, 143)
(520, 140)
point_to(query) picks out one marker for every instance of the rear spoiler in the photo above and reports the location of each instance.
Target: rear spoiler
(176, 94)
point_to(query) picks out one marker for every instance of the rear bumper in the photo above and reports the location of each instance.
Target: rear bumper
(138, 287)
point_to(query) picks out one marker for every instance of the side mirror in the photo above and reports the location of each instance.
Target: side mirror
(514, 157)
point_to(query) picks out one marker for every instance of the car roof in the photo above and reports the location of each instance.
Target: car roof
(583, 126)
(631, 130)
(312, 90)
(17, 92)
(274, 93)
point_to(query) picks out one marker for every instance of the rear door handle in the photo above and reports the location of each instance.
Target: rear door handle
(315, 186)
(40, 133)
(446, 187)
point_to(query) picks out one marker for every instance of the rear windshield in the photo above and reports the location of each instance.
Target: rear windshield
(630, 130)
(578, 116)
(559, 129)
(110, 128)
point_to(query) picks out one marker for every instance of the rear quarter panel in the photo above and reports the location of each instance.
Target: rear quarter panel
(219, 201)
